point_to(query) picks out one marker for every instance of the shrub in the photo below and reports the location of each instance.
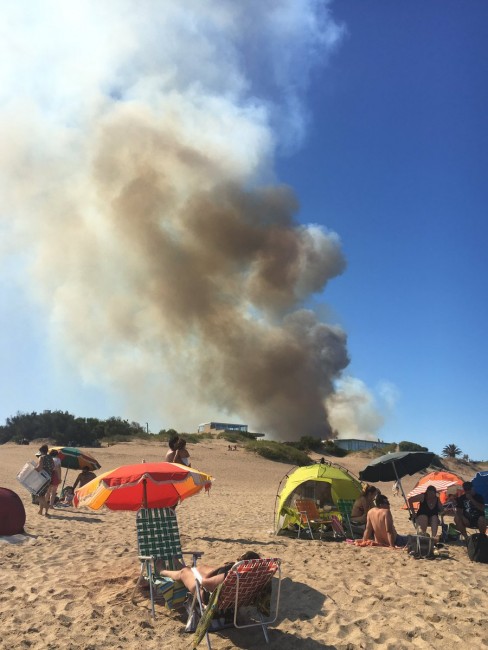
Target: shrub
(331, 449)
(195, 437)
(411, 446)
(279, 451)
(236, 436)
(307, 443)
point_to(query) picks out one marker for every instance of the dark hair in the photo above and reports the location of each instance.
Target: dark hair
(172, 442)
(44, 449)
(431, 488)
(249, 555)
(380, 500)
(467, 485)
(53, 452)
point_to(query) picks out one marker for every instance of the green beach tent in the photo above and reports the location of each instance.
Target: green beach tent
(323, 482)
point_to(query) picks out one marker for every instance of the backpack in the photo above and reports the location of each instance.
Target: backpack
(478, 548)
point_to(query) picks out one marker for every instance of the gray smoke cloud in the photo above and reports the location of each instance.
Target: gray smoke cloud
(138, 140)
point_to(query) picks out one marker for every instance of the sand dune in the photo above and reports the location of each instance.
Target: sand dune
(67, 583)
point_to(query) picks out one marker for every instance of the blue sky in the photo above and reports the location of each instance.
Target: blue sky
(388, 149)
(396, 164)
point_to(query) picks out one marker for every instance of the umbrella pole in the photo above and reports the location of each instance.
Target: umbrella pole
(144, 493)
(412, 513)
(65, 475)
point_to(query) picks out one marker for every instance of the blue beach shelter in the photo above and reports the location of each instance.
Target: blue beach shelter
(480, 485)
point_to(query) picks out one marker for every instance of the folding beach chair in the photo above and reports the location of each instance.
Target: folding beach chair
(158, 540)
(345, 508)
(310, 517)
(246, 584)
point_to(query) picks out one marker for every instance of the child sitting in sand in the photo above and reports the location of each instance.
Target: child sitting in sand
(66, 497)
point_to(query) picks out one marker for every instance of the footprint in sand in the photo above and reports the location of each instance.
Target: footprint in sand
(72, 604)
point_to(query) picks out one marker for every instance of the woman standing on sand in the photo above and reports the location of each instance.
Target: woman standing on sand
(55, 479)
(171, 453)
(182, 455)
(45, 463)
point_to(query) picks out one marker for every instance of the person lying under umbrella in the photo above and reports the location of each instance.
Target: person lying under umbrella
(209, 577)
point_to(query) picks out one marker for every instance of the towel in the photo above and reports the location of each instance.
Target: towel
(207, 617)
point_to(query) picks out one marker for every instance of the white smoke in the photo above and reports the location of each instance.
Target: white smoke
(137, 146)
(354, 410)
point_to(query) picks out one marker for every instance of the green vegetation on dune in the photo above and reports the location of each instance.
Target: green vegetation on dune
(278, 451)
(63, 428)
(236, 436)
(405, 445)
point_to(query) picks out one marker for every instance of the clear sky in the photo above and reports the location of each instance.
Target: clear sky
(374, 113)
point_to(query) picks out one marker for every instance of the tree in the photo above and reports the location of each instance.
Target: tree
(451, 451)
(405, 445)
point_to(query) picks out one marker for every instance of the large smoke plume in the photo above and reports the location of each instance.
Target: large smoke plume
(138, 140)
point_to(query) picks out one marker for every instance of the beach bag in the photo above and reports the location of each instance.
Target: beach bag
(420, 547)
(478, 548)
(444, 533)
(452, 533)
(174, 592)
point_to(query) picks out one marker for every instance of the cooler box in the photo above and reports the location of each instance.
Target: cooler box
(31, 479)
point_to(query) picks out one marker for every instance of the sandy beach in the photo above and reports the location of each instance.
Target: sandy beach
(67, 583)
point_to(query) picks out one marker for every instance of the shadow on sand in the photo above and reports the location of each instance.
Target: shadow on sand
(244, 542)
(293, 593)
(253, 637)
(87, 517)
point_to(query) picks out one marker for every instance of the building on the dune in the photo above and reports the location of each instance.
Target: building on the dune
(355, 444)
(215, 427)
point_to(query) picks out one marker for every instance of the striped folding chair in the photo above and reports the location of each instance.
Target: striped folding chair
(245, 585)
(345, 508)
(159, 546)
(310, 517)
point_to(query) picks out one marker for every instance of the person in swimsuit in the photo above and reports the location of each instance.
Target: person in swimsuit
(45, 463)
(182, 454)
(55, 478)
(470, 511)
(209, 577)
(66, 497)
(171, 453)
(363, 504)
(430, 507)
(379, 525)
(84, 477)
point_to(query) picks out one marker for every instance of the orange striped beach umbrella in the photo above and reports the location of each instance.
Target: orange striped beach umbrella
(144, 485)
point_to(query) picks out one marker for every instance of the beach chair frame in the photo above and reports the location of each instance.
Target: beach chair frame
(310, 516)
(345, 508)
(159, 545)
(245, 580)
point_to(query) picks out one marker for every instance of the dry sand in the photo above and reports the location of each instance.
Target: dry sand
(68, 583)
